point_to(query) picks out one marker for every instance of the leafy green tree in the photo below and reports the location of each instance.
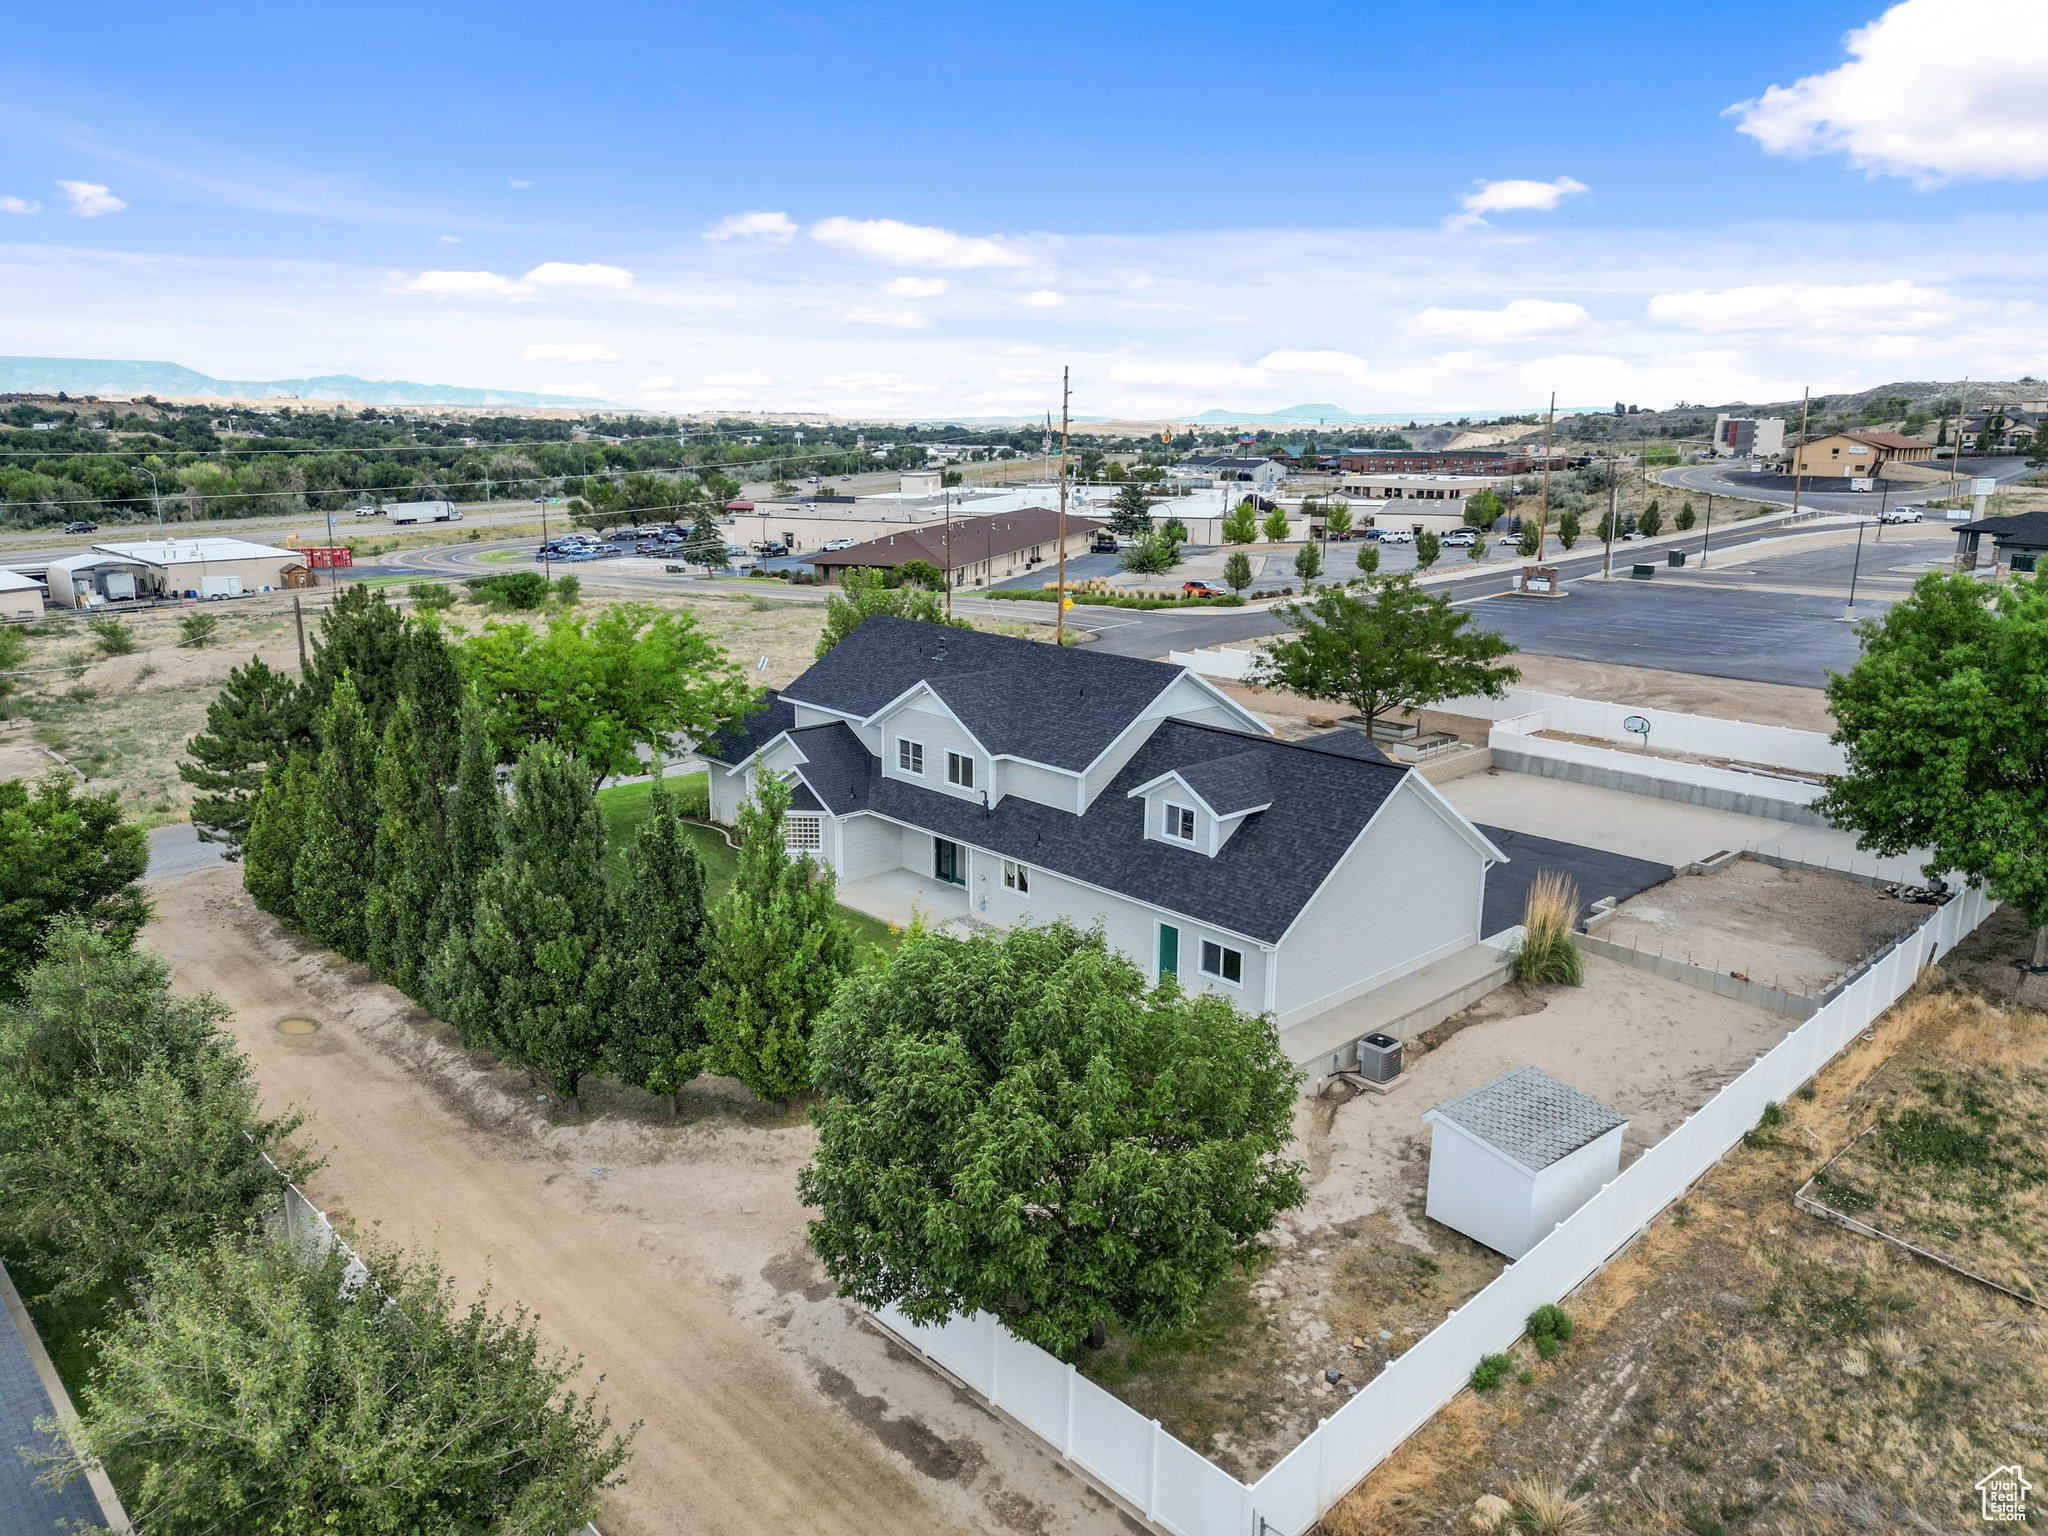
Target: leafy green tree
(1241, 526)
(1568, 529)
(1476, 550)
(707, 540)
(13, 657)
(604, 688)
(778, 949)
(1428, 550)
(522, 591)
(128, 1119)
(1368, 559)
(198, 629)
(864, 595)
(1528, 542)
(1131, 513)
(1606, 531)
(64, 854)
(277, 831)
(1308, 563)
(917, 573)
(331, 875)
(430, 675)
(1945, 723)
(1237, 570)
(1153, 555)
(265, 1387)
(456, 986)
(1392, 646)
(1651, 523)
(1275, 526)
(540, 924)
(658, 937)
(257, 719)
(1339, 517)
(1017, 1123)
(1685, 519)
(1483, 509)
(1176, 530)
(409, 863)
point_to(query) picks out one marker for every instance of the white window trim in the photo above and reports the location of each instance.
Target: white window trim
(905, 747)
(1222, 949)
(1174, 817)
(1016, 877)
(804, 831)
(957, 764)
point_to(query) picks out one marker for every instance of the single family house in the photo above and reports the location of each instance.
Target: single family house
(1009, 781)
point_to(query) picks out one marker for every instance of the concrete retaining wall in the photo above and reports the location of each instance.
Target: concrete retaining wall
(1718, 789)
(1771, 999)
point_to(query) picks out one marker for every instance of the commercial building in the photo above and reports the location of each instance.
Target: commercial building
(1748, 437)
(2020, 541)
(1858, 455)
(1443, 461)
(978, 550)
(166, 568)
(1259, 477)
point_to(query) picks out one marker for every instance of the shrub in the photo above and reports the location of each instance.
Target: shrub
(1547, 952)
(198, 629)
(1685, 519)
(1544, 1506)
(1651, 523)
(430, 596)
(521, 590)
(1491, 1371)
(111, 635)
(568, 590)
(1549, 1327)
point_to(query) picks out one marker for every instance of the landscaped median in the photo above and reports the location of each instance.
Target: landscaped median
(1115, 599)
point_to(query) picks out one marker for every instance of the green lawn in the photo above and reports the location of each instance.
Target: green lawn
(625, 806)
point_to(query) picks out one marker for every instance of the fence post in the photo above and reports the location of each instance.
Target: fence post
(1152, 1473)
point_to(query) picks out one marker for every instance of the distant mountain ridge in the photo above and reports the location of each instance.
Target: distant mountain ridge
(111, 376)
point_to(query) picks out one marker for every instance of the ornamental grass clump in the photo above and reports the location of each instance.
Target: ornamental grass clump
(1548, 952)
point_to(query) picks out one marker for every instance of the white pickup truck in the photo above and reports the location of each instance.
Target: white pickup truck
(421, 512)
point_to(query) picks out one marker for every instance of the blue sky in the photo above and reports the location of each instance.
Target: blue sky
(910, 209)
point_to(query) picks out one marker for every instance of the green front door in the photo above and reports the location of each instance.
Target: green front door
(1169, 951)
(946, 862)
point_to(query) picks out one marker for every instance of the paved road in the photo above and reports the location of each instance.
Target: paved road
(1718, 480)
(176, 850)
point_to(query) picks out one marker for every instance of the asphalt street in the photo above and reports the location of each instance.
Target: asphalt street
(1721, 480)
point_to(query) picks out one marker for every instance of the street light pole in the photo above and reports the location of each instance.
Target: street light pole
(156, 499)
(1613, 515)
(1706, 543)
(1855, 569)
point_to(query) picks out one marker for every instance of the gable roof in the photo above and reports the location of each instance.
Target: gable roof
(2026, 530)
(972, 539)
(1021, 698)
(1875, 439)
(1256, 885)
(1531, 1117)
(1231, 785)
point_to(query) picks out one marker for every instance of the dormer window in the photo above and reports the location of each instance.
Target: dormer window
(1179, 823)
(910, 756)
(959, 770)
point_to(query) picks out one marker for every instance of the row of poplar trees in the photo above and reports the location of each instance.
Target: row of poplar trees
(381, 829)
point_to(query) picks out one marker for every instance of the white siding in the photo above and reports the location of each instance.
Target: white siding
(1173, 792)
(940, 734)
(870, 846)
(1182, 699)
(1405, 894)
(727, 791)
(1030, 781)
(1492, 1199)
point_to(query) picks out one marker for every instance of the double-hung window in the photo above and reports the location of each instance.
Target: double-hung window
(910, 756)
(1179, 823)
(1222, 962)
(1016, 877)
(959, 770)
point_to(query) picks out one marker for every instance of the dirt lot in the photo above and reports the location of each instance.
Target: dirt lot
(1361, 1273)
(1749, 1370)
(1786, 928)
(672, 1257)
(1802, 709)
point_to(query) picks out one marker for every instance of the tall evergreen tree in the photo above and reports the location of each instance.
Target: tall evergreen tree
(429, 676)
(277, 830)
(778, 951)
(410, 860)
(331, 876)
(359, 637)
(455, 987)
(254, 723)
(657, 938)
(539, 932)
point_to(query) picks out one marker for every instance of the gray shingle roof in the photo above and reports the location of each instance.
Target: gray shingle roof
(1017, 696)
(743, 740)
(1255, 885)
(1231, 784)
(2021, 530)
(1531, 1117)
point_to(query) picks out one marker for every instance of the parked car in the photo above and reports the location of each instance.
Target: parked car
(81, 527)
(1632, 535)
(738, 552)
(1200, 589)
(1900, 515)
(1105, 544)
(369, 511)
(771, 549)
(1459, 537)
(832, 546)
(622, 536)
(1397, 536)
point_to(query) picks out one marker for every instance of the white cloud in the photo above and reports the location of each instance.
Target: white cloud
(776, 228)
(894, 319)
(915, 287)
(586, 274)
(550, 352)
(878, 384)
(739, 380)
(19, 205)
(89, 199)
(914, 245)
(448, 239)
(1932, 90)
(1322, 365)
(1041, 298)
(1513, 197)
(1812, 308)
(659, 381)
(518, 183)
(463, 285)
(1516, 320)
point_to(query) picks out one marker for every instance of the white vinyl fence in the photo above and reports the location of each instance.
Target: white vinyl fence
(1740, 741)
(1674, 778)
(1183, 1493)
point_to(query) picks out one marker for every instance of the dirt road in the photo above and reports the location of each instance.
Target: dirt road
(671, 1257)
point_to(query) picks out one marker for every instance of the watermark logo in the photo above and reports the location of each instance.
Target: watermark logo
(2004, 1491)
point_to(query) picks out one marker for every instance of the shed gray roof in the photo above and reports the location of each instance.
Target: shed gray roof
(2022, 530)
(1531, 1117)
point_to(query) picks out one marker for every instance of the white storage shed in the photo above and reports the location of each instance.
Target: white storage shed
(1510, 1160)
(206, 567)
(21, 597)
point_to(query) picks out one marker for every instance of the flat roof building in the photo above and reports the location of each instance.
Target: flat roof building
(978, 550)
(1748, 437)
(21, 597)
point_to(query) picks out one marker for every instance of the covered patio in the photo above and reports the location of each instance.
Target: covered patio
(901, 896)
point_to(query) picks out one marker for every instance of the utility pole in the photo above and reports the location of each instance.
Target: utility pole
(1955, 448)
(1855, 569)
(1613, 516)
(1060, 591)
(1707, 542)
(299, 618)
(1799, 453)
(1543, 516)
(547, 557)
(949, 554)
